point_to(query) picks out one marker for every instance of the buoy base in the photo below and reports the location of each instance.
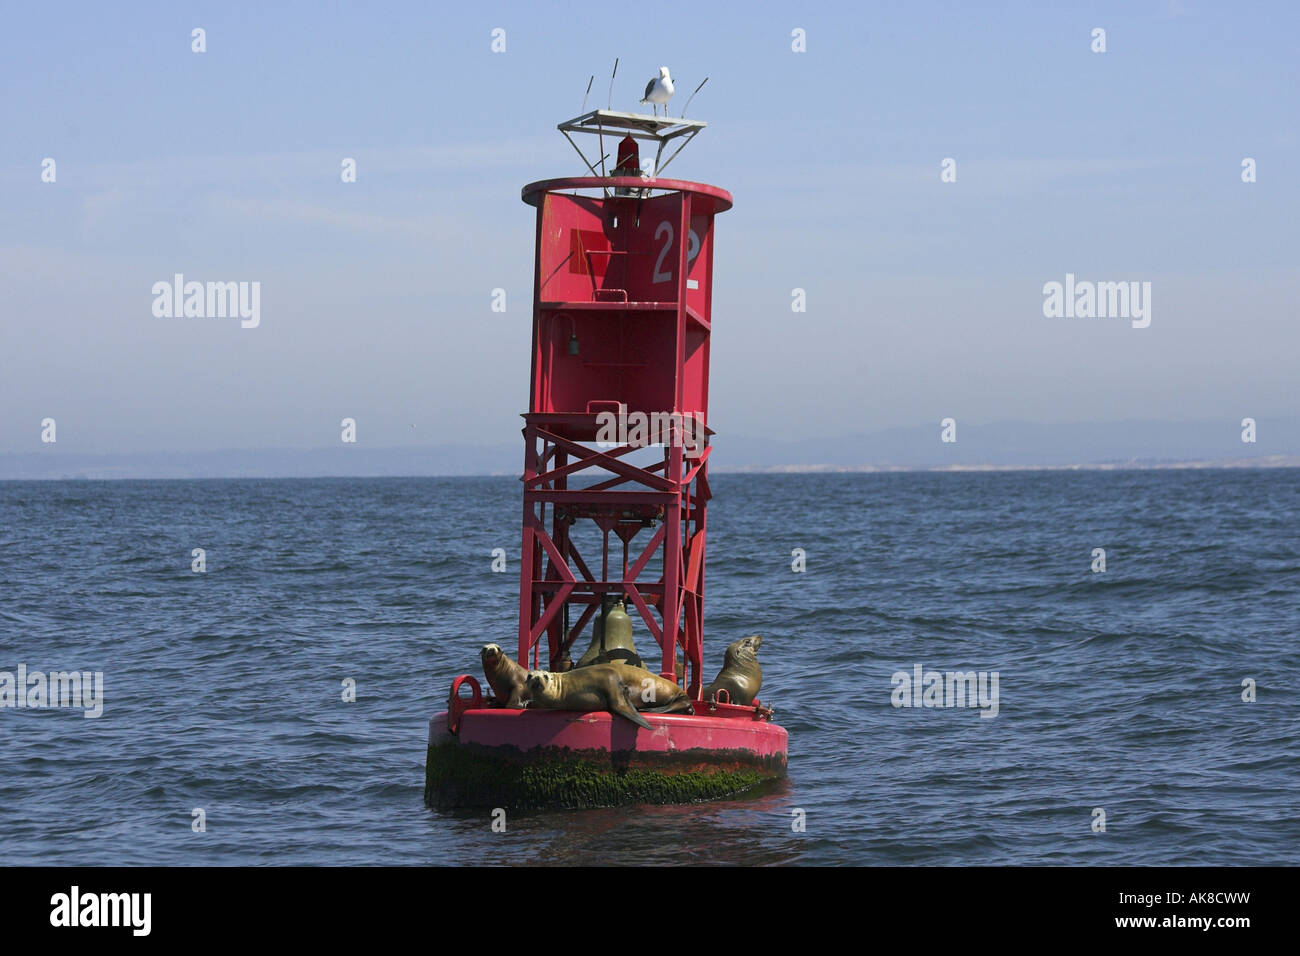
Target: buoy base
(531, 760)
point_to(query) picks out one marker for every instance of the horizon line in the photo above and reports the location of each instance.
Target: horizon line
(1263, 462)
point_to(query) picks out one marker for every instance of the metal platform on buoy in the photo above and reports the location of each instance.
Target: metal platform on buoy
(622, 319)
(661, 130)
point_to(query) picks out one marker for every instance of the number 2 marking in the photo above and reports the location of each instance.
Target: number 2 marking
(663, 227)
(692, 250)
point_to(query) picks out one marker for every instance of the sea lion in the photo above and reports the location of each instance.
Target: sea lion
(652, 693)
(741, 675)
(617, 688)
(508, 680)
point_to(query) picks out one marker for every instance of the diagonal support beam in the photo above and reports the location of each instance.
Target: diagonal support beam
(593, 458)
(562, 568)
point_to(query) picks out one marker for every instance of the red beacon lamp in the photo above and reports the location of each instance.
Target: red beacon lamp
(615, 496)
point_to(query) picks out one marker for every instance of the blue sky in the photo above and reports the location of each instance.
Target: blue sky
(924, 298)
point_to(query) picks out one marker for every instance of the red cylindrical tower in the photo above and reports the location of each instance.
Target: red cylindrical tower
(622, 311)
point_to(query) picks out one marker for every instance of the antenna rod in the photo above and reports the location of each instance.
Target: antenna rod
(692, 96)
(588, 93)
(600, 131)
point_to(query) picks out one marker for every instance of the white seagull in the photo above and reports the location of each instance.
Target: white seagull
(659, 90)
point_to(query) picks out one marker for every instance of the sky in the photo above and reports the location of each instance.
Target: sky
(924, 298)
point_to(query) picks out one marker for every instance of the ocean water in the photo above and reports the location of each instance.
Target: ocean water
(1119, 690)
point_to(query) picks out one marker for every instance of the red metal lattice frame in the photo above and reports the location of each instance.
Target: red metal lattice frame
(667, 499)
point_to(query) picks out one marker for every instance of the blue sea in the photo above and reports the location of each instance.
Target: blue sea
(1120, 692)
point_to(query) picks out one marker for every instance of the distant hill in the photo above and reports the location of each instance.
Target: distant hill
(1135, 444)
(1022, 444)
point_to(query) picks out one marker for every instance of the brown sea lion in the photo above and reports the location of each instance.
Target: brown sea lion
(508, 680)
(741, 675)
(651, 692)
(617, 688)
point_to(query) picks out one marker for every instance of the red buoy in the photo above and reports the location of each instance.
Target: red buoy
(616, 456)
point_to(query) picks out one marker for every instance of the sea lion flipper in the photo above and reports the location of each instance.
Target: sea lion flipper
(636, 718)
(622, 707)
(681, 705)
